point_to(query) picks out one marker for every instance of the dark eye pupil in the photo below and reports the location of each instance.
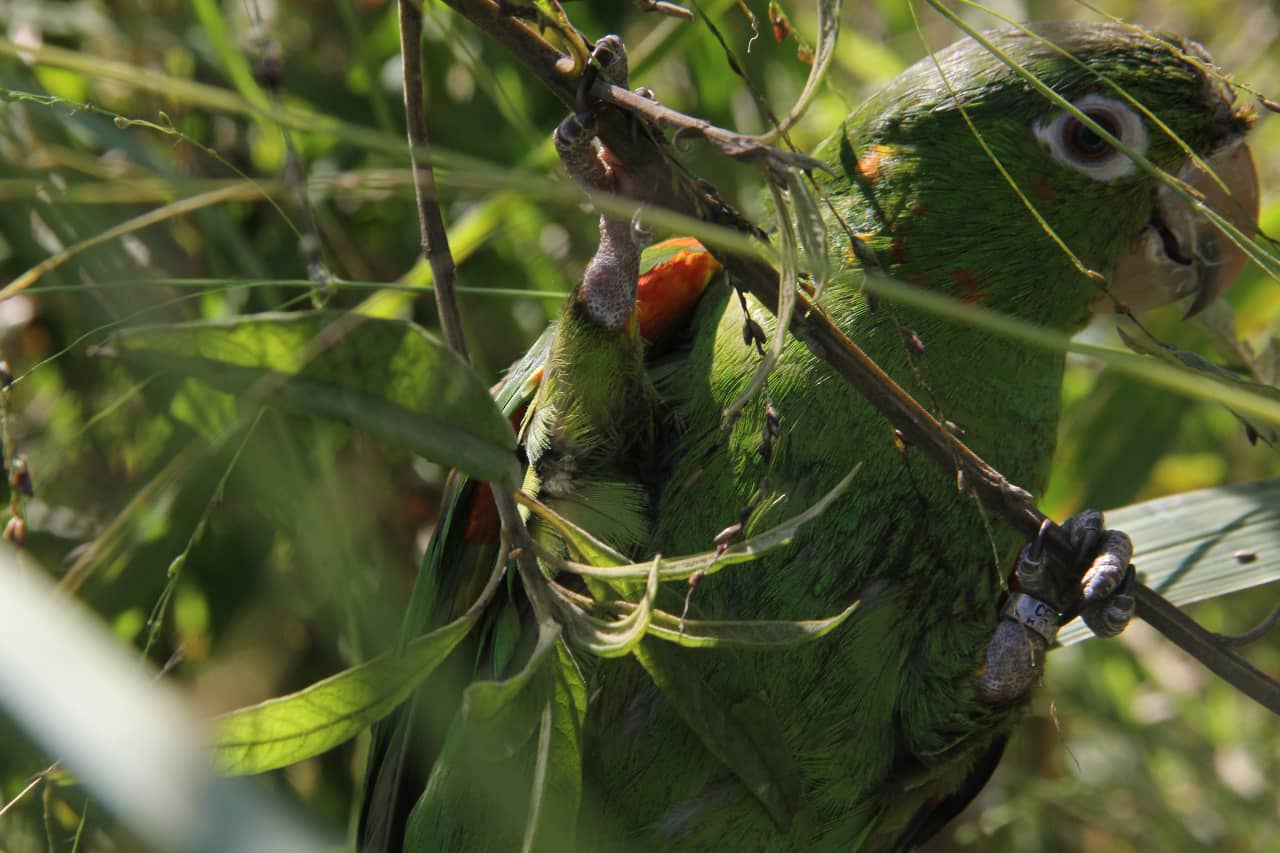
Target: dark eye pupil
(1084, 142)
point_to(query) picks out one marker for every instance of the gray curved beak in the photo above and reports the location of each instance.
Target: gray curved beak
(1181, 253)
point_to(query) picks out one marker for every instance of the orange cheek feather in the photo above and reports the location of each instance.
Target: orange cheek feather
(668, 290)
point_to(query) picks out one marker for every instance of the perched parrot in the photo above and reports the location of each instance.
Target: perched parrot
(873, 736)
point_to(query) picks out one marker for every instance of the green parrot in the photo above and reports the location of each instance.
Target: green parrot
(875, 735)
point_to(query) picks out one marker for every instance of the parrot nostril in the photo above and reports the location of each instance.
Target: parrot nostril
(1170, 242)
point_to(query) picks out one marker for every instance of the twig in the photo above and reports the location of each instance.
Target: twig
(1257, 632)
(35, 780)
(1208, 648)
(435, 244)
(435, 239)
(648, 162)
(744, 147)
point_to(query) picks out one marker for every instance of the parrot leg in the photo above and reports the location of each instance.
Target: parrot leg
(593, 421)
(608, 288)
(1103, 598)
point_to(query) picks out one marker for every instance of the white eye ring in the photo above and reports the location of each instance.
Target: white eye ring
(1073, 143)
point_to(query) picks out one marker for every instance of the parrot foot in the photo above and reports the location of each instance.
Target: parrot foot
(1103, 598)
(1105, 595)
(607, 292)
(591, 165)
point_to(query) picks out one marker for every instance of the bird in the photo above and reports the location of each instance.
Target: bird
(960, 177)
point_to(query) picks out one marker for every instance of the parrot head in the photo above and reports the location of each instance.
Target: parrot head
(966, 177)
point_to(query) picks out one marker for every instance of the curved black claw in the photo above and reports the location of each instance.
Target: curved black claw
(610, 56)
(577, 128)
(1110, 615)
(1101, 563)
(608, 60)
(575, 143)
(1086, 532)
(1104, 601)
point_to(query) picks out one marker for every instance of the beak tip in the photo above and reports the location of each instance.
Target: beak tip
(1203, 299)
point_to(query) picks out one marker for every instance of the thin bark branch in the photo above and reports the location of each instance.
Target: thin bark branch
(435, 239)
(435, 244)
(631, 136)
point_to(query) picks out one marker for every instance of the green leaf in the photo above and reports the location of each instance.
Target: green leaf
(811, 229)
(1200, 364)
(755, 634)
(288, 729)
(385, 376)
(557, 783)
(487, 775)
(614, 568)
(132, 742)
(1201, 544)
(602, 637)
(754, 751)
(580, 542)
(743, 633)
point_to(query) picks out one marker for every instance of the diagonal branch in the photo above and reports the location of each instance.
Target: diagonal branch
(673, 189)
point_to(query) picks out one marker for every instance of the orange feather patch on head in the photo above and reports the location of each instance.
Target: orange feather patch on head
(870, 163)
(670, 286)
(678, 271)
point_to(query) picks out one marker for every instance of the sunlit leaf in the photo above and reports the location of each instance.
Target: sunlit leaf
(581, 543)
(130, 739)
(708, 562)
(1200, 364)
(743, 633)
(288, 729)
(828, 33)
(603, 637)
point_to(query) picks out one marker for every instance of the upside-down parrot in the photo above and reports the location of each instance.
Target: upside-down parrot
(873, 736)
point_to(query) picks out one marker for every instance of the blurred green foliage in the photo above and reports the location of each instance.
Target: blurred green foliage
(299, 564)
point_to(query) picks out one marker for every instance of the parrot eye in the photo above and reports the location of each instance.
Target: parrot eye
(1083, 142)
(1073, 143)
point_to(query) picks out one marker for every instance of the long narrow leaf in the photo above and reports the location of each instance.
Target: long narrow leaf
(708, 562)
(743, 633)
(487, 772)
(132, 742)
(557, 781)
(291, 728)
(602, 637)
